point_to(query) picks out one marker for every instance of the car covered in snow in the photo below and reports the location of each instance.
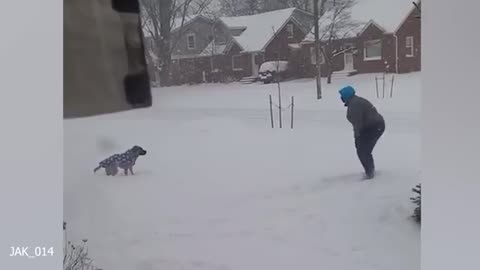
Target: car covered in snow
(271, 70)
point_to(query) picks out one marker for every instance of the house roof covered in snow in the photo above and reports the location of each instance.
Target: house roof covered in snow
(176, 23)
(259, 29)
(387, 14)
(214, 49)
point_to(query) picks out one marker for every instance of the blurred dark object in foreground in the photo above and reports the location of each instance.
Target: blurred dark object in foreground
(104, 62)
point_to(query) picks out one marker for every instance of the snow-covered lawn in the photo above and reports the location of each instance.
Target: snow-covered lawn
(220, 190)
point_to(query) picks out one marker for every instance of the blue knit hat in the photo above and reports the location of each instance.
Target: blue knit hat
(346, 93)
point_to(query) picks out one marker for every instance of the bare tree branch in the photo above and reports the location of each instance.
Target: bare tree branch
(337, 24)
(164, 21)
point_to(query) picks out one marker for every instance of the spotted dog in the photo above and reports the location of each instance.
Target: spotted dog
(125, 161)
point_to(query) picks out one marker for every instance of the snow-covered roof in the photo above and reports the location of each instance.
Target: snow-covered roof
(387, 14)
(259, 28)
(324, 23)
(214, 49)
(177, 22)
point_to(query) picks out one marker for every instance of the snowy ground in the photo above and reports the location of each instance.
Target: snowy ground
(220, 190)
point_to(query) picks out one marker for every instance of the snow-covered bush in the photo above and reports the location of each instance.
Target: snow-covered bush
(75, 257)
(417, 213)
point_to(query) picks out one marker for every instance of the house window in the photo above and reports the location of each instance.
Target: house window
(290, 30)
(372, 50)
(191, 41)
(236, 62)
(409, 45)
(312, 56)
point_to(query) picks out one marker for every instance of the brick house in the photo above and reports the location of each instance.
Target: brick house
(188, 35)
(231, 48)
(389, 41)
(266, 37)
(409, 43)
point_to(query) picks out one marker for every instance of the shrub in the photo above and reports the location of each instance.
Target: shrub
(75, 257)
(417, 212)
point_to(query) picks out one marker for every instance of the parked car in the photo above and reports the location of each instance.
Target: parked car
(272, 70)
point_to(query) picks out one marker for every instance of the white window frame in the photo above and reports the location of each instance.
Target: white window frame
(375, 58)
(290, 28)
(312, 56)
(233, 63)
(409, 46)
(194, 42)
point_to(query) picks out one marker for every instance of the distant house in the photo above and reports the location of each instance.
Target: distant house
(388, 40)
(231, 48)
(266, 37)
(408, 37)
(189, 37)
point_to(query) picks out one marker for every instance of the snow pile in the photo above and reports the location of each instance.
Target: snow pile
(259, 28)
(219, 189)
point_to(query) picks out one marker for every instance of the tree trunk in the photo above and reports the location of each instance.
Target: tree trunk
(322, 6)
(212, 66)
(329, 70)
(165, 42)
(165, 72)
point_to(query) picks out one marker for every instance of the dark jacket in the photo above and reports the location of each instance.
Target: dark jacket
(362, 114)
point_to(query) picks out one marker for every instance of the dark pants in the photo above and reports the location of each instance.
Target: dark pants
(366, 142)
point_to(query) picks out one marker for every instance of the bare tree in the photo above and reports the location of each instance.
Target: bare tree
(336, 25)
(301, 4)
(252, 7)
(233, 7)
(240, 7)
(269, 5)
(213, 14)
(159, 18)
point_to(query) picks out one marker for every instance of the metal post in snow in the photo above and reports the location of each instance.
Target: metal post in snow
(279, 107)
(278, 85)
(291, 114)
(383, 95)
(318, 67)
(391, 89)
(271, 110)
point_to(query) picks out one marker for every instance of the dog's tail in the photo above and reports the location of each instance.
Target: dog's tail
(97, 168)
